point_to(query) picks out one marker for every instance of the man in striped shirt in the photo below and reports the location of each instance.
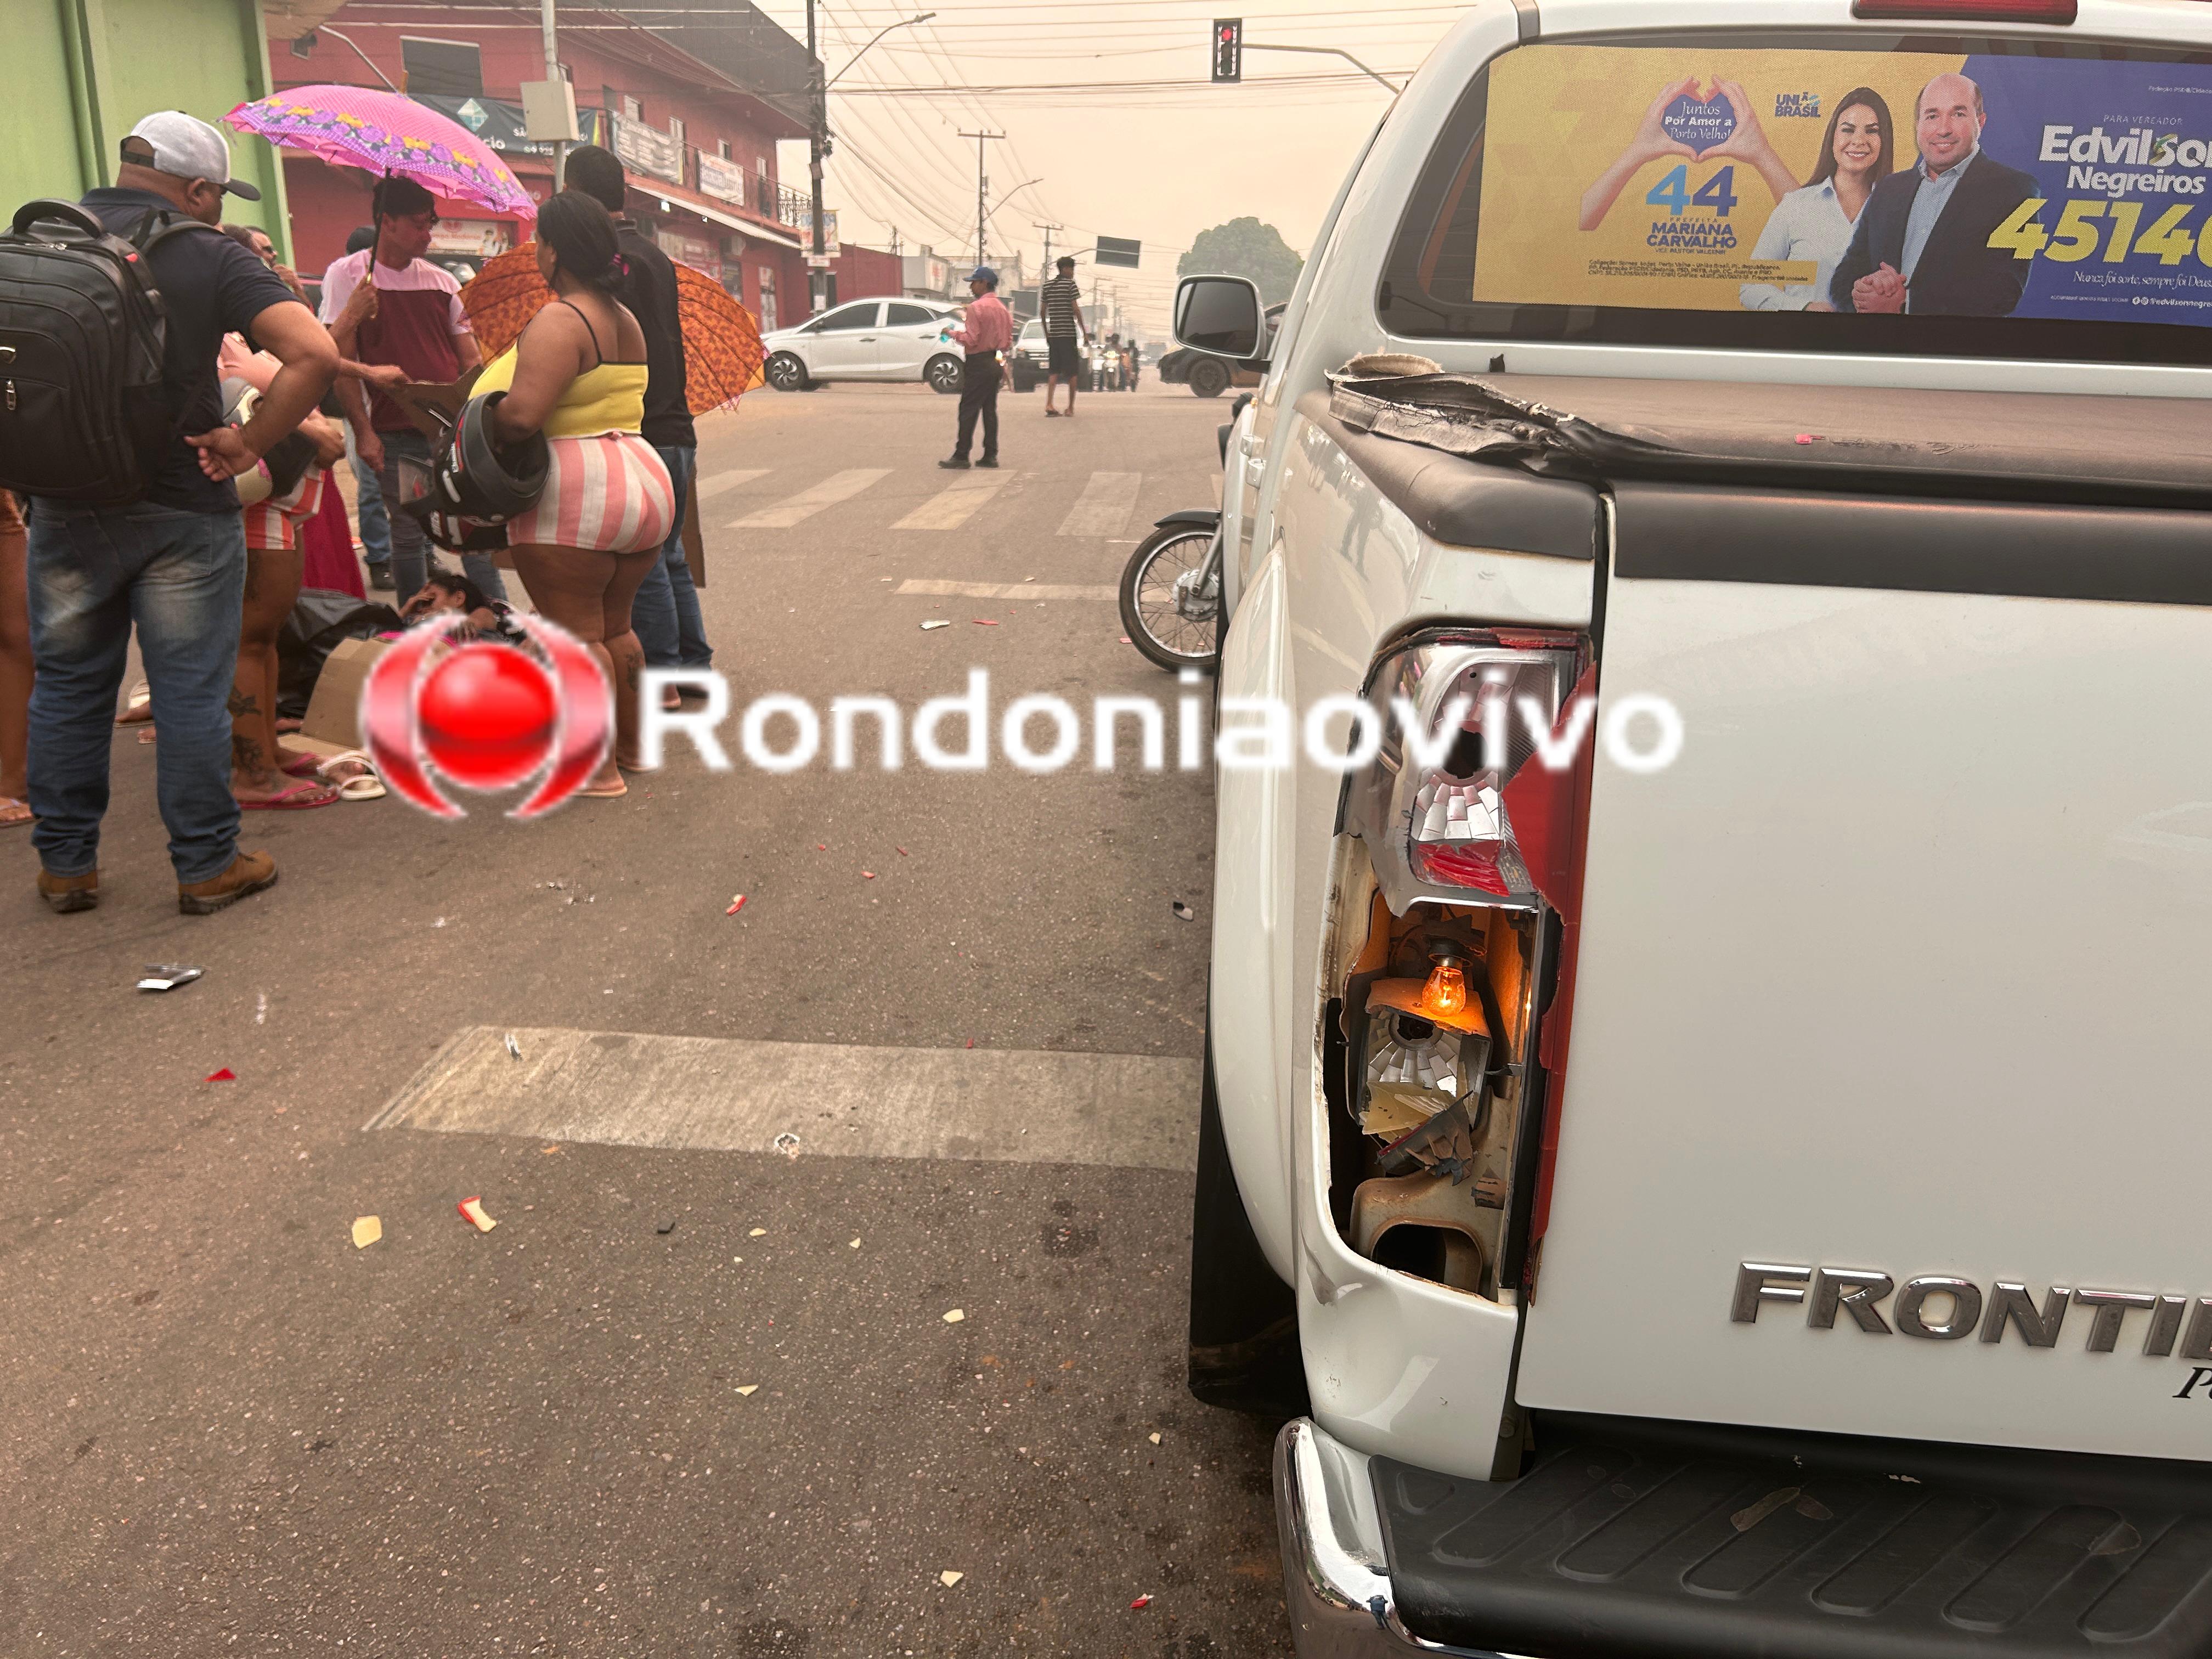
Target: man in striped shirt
(1062, 309)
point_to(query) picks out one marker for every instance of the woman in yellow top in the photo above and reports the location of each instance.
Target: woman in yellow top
(578, 375)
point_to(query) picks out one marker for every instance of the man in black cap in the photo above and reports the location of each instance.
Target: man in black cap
(665, 612)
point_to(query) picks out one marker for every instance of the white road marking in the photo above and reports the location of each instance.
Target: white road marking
(1126, 1111)
(710, 488)
(957, 503)
(1006, 590)
(1104, 506)
(797, 509)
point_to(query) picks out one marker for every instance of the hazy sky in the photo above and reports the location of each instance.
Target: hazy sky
(1077, 86)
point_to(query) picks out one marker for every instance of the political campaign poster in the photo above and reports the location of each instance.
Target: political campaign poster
(1685, 177)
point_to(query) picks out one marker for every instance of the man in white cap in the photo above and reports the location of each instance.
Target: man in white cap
(174, 561)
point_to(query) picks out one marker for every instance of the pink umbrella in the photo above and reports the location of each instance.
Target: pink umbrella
(386, 133)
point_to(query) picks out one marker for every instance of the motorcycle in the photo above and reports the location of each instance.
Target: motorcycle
(1171, 586)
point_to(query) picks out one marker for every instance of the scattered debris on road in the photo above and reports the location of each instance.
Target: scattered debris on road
(1140, 1604)
(954, 1316)
(367, 1229)
(1184, 913)
(750, 1389)
(757, 1232)
(472, 1210)
(667, 1227)
(226, 1075)
(902, 852)
(983, 622)
(929, 627)
(736, 903)
(157, 977)
(949, 1579)
(514, 1049)
(867, 875)
(1155, 1439)
(787, 1143)
(854, 1245)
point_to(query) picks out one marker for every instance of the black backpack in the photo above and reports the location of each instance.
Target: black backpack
(82, 414)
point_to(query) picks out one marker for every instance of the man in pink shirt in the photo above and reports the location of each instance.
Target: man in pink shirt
(985, 331)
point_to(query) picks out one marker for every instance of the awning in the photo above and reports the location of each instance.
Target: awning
(752, 228)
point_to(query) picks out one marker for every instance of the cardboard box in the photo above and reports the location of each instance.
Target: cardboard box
(333, 722)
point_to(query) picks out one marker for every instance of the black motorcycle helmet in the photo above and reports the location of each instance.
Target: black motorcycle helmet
(476, 478)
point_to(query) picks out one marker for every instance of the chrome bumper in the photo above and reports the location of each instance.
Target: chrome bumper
(1336, 1581)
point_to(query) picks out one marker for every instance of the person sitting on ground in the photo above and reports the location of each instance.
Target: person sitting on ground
(443, 592)
(578, 374)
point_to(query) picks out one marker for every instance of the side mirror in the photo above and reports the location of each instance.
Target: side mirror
(1221, 317)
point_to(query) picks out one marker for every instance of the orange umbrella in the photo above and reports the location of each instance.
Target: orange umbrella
(722, 352)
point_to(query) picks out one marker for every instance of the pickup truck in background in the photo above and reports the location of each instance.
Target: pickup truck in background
(1704, 1105)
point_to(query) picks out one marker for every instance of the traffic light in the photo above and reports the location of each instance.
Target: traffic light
(1228, 49)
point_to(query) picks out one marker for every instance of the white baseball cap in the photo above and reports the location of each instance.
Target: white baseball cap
(186, 146)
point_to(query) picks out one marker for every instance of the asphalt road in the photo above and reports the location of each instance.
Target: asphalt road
(694, 1395)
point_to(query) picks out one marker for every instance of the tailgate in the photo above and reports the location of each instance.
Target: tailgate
(1894, 985)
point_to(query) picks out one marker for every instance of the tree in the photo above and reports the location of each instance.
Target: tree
(1245, 247)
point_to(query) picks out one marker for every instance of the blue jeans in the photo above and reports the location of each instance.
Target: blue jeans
(410, 543)
(181, 578)
(368, 506)
(665, 612)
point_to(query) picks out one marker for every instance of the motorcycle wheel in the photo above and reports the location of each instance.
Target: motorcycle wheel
(1165, 636)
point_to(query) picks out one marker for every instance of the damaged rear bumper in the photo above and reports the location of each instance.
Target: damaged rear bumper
(1336, 1579)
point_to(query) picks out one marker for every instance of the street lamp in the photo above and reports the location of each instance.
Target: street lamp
(818, 274)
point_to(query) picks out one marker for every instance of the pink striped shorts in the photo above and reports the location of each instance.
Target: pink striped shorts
(273, 525)
(608, 494)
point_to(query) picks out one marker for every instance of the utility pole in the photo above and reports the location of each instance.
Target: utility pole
(821, 289)
(982, 185)
(552, 40)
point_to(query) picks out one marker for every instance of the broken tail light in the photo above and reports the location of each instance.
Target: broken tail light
(1460, 714)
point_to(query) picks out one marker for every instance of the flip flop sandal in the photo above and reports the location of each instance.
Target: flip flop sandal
(290, 800)
(141, 694)
(303, 765)
(368, 787)
(354, 775)
(9, 820)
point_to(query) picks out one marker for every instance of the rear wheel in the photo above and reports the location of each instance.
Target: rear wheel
(786, 373)
(1174, 625)
(945, 375)
(1209, 377)
(1244, 1353)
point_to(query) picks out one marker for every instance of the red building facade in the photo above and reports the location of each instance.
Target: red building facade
(700, 147)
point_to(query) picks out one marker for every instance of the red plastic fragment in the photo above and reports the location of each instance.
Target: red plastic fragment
(226, 1075)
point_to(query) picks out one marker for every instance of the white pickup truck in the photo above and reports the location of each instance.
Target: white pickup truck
(1730, 1188)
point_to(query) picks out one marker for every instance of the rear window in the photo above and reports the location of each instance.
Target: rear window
(1856, 194)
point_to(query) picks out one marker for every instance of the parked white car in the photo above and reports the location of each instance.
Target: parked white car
(1734, 1196)
(867, 340)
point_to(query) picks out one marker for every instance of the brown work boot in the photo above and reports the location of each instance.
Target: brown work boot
(249, 873)
(64, 894)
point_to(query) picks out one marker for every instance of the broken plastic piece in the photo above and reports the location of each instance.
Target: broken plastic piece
(757, 1232)
(787, 1143)
(1184, 913)
(1140, 1604)
(514, 1049)
(949, 1579)
(367, 1229)
(954, 1316)
(666, 1227)
(980, 622)
(1155, 1439)
(901, 851)
(927, 626)
(750, 1389)
(736, 905)
(226, 1075)
(854, 1245)
(1809, 437)
(867, 875)
(157, 977)
(472, 1210)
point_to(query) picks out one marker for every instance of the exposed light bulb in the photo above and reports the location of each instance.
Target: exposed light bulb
(1446, 991)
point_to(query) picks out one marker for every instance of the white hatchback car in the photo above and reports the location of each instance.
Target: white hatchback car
(867, 340)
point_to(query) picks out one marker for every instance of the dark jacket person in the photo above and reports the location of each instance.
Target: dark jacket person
(1922, 243)
(665, 613)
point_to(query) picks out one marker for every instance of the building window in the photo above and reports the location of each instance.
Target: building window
(676, 130)
(442, 69)
(633, 108)
(566, 74)
(722, 148)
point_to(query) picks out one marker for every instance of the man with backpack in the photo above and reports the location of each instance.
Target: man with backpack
(169, 555)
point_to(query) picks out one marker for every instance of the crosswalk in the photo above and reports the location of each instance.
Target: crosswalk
(1103, 509)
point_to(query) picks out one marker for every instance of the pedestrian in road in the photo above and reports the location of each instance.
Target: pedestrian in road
(578, 374)
(174, 561)
(15, 666)
(368, 494)
(1062, 303)
(388, 304)
(987, 329)
(665, 613)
